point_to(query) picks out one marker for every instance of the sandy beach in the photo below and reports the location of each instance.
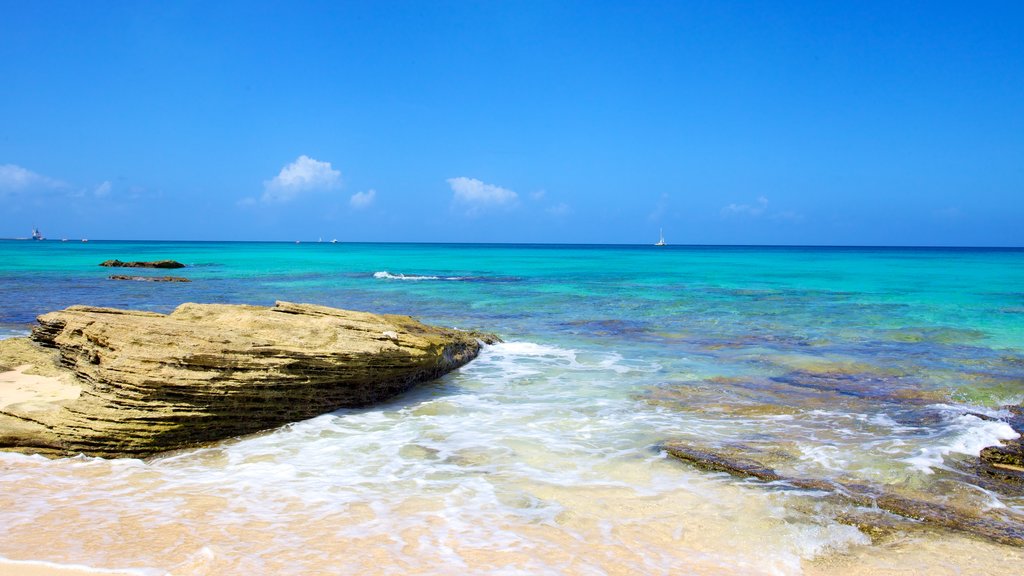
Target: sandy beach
(34, 568)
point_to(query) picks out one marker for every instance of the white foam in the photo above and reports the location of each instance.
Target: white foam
(813, 540)
(968, 435)
(497, 456)
(828, 457)
(12, 333)
(6, 563)
(385, 275)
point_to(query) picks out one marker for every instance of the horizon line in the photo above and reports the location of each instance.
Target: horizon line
(567, 244)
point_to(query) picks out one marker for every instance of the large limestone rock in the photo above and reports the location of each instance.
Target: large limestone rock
(133, 383)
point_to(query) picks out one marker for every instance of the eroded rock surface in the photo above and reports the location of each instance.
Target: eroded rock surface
(869, 498)
(154, 382)
(137, 264)
(1005, 462)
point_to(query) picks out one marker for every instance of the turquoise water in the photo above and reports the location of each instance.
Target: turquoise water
(853, 363)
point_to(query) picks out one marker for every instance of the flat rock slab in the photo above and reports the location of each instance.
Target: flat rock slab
(991, 525)
(137, 264)
(155, 382)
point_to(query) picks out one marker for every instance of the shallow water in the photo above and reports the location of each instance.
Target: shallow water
(542, 456)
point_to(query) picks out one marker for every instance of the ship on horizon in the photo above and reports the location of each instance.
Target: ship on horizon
(661, 238)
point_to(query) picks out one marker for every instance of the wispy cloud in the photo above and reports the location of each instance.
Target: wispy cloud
(560, 209)
(659, 209)
(103, 189)
(302, 175)
(759, 209)
(361, 200)
(752, 210)
(478, 196)
(14, 178)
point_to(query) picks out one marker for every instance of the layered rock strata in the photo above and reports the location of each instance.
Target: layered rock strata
(1005, 462)
(153, 382)
(868, 499)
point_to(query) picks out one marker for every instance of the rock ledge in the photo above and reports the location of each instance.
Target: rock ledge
(154, 382)
(153, 264)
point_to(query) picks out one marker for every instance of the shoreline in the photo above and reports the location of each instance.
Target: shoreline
(10, 567)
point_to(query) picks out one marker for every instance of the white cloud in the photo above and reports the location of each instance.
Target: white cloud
(759, 209)
(560, 209)
(752, 210)
(362, 199)
(103, 189)
(478, 196)
(303, 175)
(14, 178)
(538, 195)
(659, 209)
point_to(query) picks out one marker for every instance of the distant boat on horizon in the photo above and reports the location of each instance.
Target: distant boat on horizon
(36, 235)
(661, 238)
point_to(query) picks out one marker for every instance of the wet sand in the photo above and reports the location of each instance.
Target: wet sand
(34, 568)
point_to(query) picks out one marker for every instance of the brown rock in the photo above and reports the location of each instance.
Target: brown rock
(153, 382)
(876, 497)
(153, 264)
(1005, 462)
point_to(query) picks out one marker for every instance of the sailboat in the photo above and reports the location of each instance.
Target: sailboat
(36, 235)
(661, 238)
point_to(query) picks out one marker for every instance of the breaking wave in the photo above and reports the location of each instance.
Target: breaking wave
(385, 275)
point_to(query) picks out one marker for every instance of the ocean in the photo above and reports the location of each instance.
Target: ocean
(880, 366)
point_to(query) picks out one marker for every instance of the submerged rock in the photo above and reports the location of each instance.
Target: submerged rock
(137, 264)
(154, 382)
(149, 278)
(870, 497)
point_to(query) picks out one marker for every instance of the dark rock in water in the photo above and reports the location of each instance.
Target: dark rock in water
(1003, 530)
(153, 382)
(609, 327)
(153, 264)
(149, 278)
(718, 462)
(866, 386)
(1005, 462)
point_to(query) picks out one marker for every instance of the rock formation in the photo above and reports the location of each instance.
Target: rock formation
(153, 264)
(152, 382)
(870, 498)
(1005, 462)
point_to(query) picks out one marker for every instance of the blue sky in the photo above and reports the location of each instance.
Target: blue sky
(723, 123)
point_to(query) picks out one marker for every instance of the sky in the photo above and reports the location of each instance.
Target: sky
(822, 123)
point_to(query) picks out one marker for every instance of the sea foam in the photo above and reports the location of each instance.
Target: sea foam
(965, 434)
